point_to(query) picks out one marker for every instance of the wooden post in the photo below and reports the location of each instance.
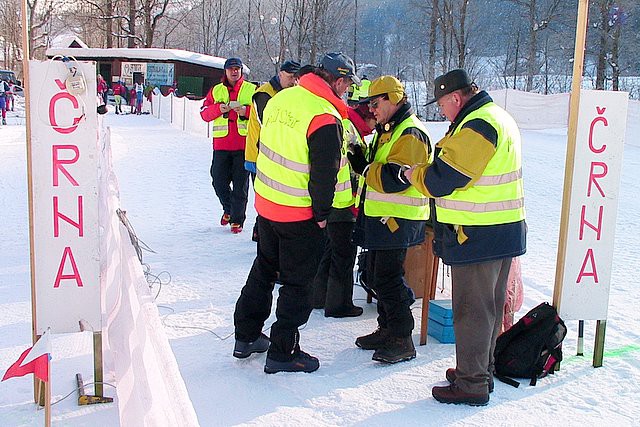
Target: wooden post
(47, 397)
(598, 349)
(98, 373)
(26, 54)
(429, 294)
(574, 104)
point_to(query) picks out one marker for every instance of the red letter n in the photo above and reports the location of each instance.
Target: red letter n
(56, 214)
(584, 222)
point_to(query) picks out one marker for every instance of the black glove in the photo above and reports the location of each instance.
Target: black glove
(357, 160)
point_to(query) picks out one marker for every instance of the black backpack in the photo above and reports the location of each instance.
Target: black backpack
(530, 348)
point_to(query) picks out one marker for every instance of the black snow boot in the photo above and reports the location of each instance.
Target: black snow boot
(374, 340)
(302, 362)
(245, 349)
(396, 349)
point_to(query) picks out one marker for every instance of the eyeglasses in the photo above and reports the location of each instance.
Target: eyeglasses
(374, 104)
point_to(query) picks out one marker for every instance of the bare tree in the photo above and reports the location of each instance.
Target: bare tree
(38, 20)
(539, 14)
(11, 30)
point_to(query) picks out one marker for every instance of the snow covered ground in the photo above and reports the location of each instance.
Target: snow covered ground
(201, 267)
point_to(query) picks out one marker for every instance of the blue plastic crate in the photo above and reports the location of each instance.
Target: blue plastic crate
(442, 333)
(440, 311)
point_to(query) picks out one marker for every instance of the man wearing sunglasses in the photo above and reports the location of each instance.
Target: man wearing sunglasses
(476, 183)
(392, 215)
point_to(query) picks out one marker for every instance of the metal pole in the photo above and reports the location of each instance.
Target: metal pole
(580, 338)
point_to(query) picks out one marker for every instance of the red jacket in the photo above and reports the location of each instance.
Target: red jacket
(211, 110)
(118, 89)
(102, 86)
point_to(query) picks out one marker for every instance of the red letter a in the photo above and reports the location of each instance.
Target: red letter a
(76, 274)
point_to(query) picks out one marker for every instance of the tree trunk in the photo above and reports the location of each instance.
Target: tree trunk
(515, 62)
(433, 39)
(601, 64)
(131, 41)
(109, 29)
(615, 57)
(462, 42)
(533, 46)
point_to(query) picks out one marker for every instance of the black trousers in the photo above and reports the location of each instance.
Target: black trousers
(231, 183)
(386, 277)
(293, 250)
(333, 284)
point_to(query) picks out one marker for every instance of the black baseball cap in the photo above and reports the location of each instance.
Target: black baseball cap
(340, 65)
(290, 67)
(450, 82)
(232, 62)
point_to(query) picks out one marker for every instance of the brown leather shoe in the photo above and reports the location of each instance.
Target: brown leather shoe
(452, 394)
(451, 377)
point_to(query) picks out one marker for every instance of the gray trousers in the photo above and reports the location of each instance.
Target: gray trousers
(478, 295)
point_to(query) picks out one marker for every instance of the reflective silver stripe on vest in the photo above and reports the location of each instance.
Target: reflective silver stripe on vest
(499, 179)
(241, 125)
(289, 164)
(459, 205)
(272, 183)
(397, 198)
(343, 161)
(343, 186)
(220, 127)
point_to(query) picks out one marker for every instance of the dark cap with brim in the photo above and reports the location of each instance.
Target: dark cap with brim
(448, 83)
(340, 65)
(233, 62)
(291, 67)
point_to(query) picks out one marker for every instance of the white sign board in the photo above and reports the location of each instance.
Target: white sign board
(64, 170)
(594, 204)
(128, 68)
(160, 74)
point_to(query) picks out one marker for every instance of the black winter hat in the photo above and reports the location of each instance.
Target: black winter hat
(450, 82)
(305, 69)
(232, 62)
(290, 67)
(340, 65)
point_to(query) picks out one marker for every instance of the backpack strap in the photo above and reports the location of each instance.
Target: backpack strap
(507, 380)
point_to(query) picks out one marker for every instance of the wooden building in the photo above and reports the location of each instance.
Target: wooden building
(193, 73)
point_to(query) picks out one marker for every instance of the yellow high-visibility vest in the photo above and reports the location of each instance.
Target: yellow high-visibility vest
(283, 157)
(343, 196)
(253, 133)
(221, 94)
(408, 204)
(498, 195)
(359, 92)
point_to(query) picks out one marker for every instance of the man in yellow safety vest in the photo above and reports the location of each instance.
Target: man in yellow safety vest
(286, 77)
(476, 186)
(392, 215)
(296, 175)
(228, 105)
